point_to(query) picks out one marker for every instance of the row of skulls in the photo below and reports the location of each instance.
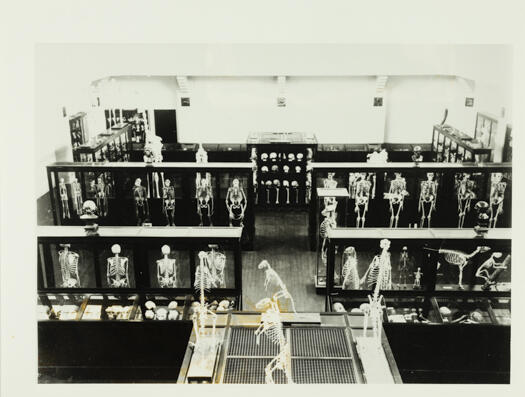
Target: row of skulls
(275, 168)
(277, 183)
(273, 156)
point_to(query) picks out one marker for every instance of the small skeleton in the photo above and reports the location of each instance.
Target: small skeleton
(168, 202)
(286, 184)
(465, 194)
(327, 224)
(396, 197)
(275, 285)
(272, 327)
(349, 271)
(491, 270)
(362, 198)
(403, 266)
(203, 282)
(236, 203)
(330, 182)
(497, 195)
(204, 196)
(427, 198)
(166, 269)
(101, 196)
(68, 261)
(62, 189)
(117, 269)
(277, 184)
(417, 278)
(460, 259)
(216, 262)
(141, 202)
(379, 271)
(295, 187)
(77, 196)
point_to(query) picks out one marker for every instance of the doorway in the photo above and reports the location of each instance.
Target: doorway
(166, 125)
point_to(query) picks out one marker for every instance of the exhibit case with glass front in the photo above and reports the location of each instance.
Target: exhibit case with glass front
(158, 194)
(112, 145)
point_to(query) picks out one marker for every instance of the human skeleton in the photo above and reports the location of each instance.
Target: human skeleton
(403, 266)
(349, 271)
(167, 269)
(141, 202)
(272, 327)
(380, 269)
(77, 196)
(427, 198)
(204, 196)
(101, 196)
(327, 224)
(465, 194)
(417, 278)
(62, 189)
(460, 259)
(274, 284)
(396, 197)
(168, 202)
(497, 195)
(68, 261)
(362, 198)
(117, 269)
(215, 261)
(236, 203)
(490, 270)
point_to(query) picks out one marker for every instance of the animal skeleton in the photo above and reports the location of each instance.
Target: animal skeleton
(273, 282)
(459, 259)
(427, 198)
(465, 194)
(68, 261)
(117, 269)
(396, 197)
(497, 195)
(379, 271)
(349, 271)
(327, 224)
(166, 269)
(62, 189)
(236, 203)
(272, 327)
(490, 270)
(417, 278)
(203, 282)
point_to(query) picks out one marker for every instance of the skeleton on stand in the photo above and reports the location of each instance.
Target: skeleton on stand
(465, 194)
(286, 184)
(382, 280)
(491, 270)
(117, 269)
(204, 196)
(275, 286)
(349, 271)
(236, 203)
(403, 266)
(326, 225)
(62, 189)
(380, 269)
(362, 198)
(168, 202)
(396, 198)
(272, 327)
(77, 196)
(101, 196)
(140, 198)
(68, 261)
(166, 269)
(216, 262)
(497, 195)
(427, 198)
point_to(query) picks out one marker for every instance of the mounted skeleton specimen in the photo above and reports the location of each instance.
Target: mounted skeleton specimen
(68, 261)
(166, 269)
(349, 271)
(396, 197)
(117, 269)
(236, 203)
(427, 198)
(497, 196)
(465, 194)
(276, 287)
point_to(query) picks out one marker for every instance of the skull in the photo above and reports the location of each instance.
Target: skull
(275, 168)
(291, 157)
(264, 169)
(276, 182)
(298, 169)
(299, 156)
(286, 183)
(264, 156)
(286, 169)
(273, 156)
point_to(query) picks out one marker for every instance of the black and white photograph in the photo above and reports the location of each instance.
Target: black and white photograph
(240, 212)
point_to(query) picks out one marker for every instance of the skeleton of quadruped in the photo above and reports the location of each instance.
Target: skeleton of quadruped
(273, 282)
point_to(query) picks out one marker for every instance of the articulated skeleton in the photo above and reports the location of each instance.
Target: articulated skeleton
(396, 198)
(417, 278)
(272, 327)
(349, 271)
(68, 261)
(166, 269)
(327, 224)
(362, 198)
(427, 198)
(491, 270)
(274, 284)
(236, 203)
(117, 269)
(102, 191)
(140, 197)
(460, 259)
(168, 202)
(253, 158)
(403, 266)
(62, 190)
(379, 272)
(204, 196)
(497, 195)
(77, 196)
(277, 184)
(465, 194)
(215, 261)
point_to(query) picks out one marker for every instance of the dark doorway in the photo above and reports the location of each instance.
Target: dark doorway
(166, 125)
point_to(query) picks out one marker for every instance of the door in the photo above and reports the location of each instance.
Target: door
(166, 125)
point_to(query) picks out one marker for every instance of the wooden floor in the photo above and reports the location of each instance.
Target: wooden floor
(282, 239)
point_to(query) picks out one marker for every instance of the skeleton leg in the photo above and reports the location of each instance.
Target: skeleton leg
(461, 276)
(277, 196)
(391, 214)
(399, 207)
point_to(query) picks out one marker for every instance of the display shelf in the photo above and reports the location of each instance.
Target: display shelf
(450, 145)
(78, 130)
(112, 145)
(114, 188)
(435, 189)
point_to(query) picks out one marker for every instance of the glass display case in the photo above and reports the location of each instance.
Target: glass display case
(78, 130)
(112, 145)
(422, 195)
(181, 194)
(453, 146)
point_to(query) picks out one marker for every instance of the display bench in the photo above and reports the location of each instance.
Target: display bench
(281, 163)
(182, 194)
(453, 146)
(443, 285)
(412, 195)
(322, 351)
(356, 152)
(112, 145)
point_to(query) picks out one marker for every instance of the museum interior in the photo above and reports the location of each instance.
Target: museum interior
(274, 213)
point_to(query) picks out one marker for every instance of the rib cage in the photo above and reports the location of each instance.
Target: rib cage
(380, 275)
(326, 225)
(350, 275)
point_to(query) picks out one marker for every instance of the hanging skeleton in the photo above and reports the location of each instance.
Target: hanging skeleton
(167, 269)
(403, 266)
(101, 196)
(77, 196)
(349, 271)
(168, 202)
(204, 196)
(380, 269)
(491, 270)
(396, 197)
(272, 327)
(275, 286)
(68, 261)
(62, 189)
(497, 195)
(326, 225)
(465, 194)
(117, 269)
(427, 198)
(141, 202)
(362, 199)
